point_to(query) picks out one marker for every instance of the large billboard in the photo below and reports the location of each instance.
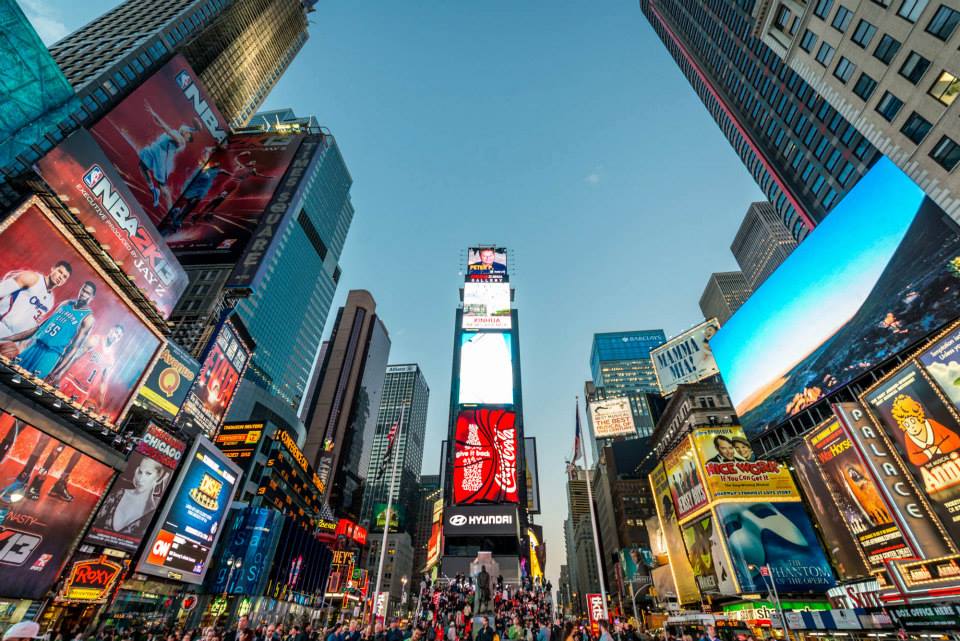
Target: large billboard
(880, 272)
(252, 537)
(486, 368)
(683, 576)
(485, 457)
(686, 481)
(126, 512)
(62, 321)
(487, 264)
(160, 135)
(48, 492)
(612, 417)
(486, 306)
(532, 473)
(166, 386)
(732, 470)
(707, 556)
(685, 358)
(942, 363)
(90, 186)
(778, 535)
(192, 517)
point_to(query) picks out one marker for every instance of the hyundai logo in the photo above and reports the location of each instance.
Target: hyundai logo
(457, 520)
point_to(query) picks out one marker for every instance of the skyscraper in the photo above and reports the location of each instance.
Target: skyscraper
(724, 294)
(762, 243)
(803, 154)
(620, 361)
(406, 389)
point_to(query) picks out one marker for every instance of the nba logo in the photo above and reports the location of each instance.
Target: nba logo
(184, 80)
(93, 176)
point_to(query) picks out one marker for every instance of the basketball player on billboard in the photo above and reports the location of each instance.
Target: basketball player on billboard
(26, 297)
(87, 377)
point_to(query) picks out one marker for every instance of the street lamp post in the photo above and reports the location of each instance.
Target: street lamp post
(403, 594)
(233, 564)
(771, 585)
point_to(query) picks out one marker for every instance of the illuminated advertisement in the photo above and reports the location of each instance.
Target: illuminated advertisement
(485, 457)
(90, 186)
(91, 580)
(631, 563)
(487, 264)
(252, 537)
(61, 320)
(707, 558)
(192, 517)
(596, 612)
(612, 417)
(435, 545)
(226, 360)
(48, 492)
(877, 294)
(531, 471)
(486, 306)
(683, 577)
(126, 512)
(486, 368)
(779, 535)
(925, 433)
(239, 441)
(942, 362)
(398, 517)
(732, 470)
(166, 386)
(160, 135)
(685, 358)
(686, 483)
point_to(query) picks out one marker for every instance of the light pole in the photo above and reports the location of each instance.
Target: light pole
(233, 564)
(637, 591)
(771, 586)
(403, 595)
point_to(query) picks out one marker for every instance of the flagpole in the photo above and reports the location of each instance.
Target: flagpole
(593, 523)
(386, 524)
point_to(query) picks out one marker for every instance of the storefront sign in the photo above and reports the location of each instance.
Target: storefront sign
(927, 617)
(90, 581)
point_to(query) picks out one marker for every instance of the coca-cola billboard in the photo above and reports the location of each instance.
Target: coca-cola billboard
(485, 457)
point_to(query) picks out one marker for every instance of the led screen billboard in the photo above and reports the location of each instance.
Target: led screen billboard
(683, 577)
(487, 264)
(252, 537)
(126, 512)
(91, 188)
(62, 321)
(239, 441)
(160, 135)
(531, 472)
(877, 275)
(166, 386)
(707, 557)
(732, 470)
(942, 363)
(686, 481)
(685, 358)
(486, 306)
(47, 494)
(486, 368)
(485, 457)
(612, 417)
(192, 517)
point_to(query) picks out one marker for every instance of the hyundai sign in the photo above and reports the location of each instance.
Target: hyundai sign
(481, 520)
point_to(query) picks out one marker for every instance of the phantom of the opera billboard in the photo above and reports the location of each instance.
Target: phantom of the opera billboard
(485, 457)
(685, 358)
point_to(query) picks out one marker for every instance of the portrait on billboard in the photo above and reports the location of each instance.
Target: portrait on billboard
(160, 135)
(685, 358)
(732, 469)
(62, 322)
(779, 535)
(485, 457)
(942, 363)
(687, 590)
(47, 492)
(486, 306)
(686, 482)
(879, 294)
(487, 264)
(486, 368)
(705, 551)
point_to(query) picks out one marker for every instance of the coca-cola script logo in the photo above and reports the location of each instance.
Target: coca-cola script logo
(485, 457)
(506, 446)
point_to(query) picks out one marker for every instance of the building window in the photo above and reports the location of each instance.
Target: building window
(782, 19)
(943, 23)
(889, 106)
(808, 40)
(864, 33)
(842, 19)
(916, 128)
(887, 49)
(822, 9)
(825, 54)
(844, 70)
(946, 153)
(910, 10)
(914, 67)
(945, 88)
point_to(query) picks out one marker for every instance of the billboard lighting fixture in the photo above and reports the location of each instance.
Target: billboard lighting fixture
(38, 391)
(16, 380)
(57, 404)
(76, 415)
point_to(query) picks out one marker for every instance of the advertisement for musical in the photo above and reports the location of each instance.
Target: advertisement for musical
(685, 358)
(166, 386)
(485, 457)
(942, 362)
(778, 535)
(926, 434)
(47, 492)
(126, 512)
(63, 322)
(192, 517)
(686, 482)
(612, 417)
(486, 264)
(687, 591)
(732, 470)
(707, 558)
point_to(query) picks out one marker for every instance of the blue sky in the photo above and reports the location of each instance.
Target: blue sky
(558, 128)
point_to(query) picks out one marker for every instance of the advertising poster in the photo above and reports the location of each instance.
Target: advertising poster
(486, 368)
(687, 591)
(90, 186)
(252, 537)
(62, 322)
(225, 201)
(398, 517)
(685, 358)
(485, 457)
(924, 432)
(779, 535)
(435, 545)
(596, 612)
(166, 386)
(48, 492)
(942, 363)
(732, 470)
(487, 264)
(880, 294)
(126, 512)
(192, 516)
(486, 306)
(631, 563)
(612, 417)
(705, 551)
(686, 483)
(209, 399)
(239, 441)
(160, 135)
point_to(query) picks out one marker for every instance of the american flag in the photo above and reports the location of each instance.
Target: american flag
(577, 437)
